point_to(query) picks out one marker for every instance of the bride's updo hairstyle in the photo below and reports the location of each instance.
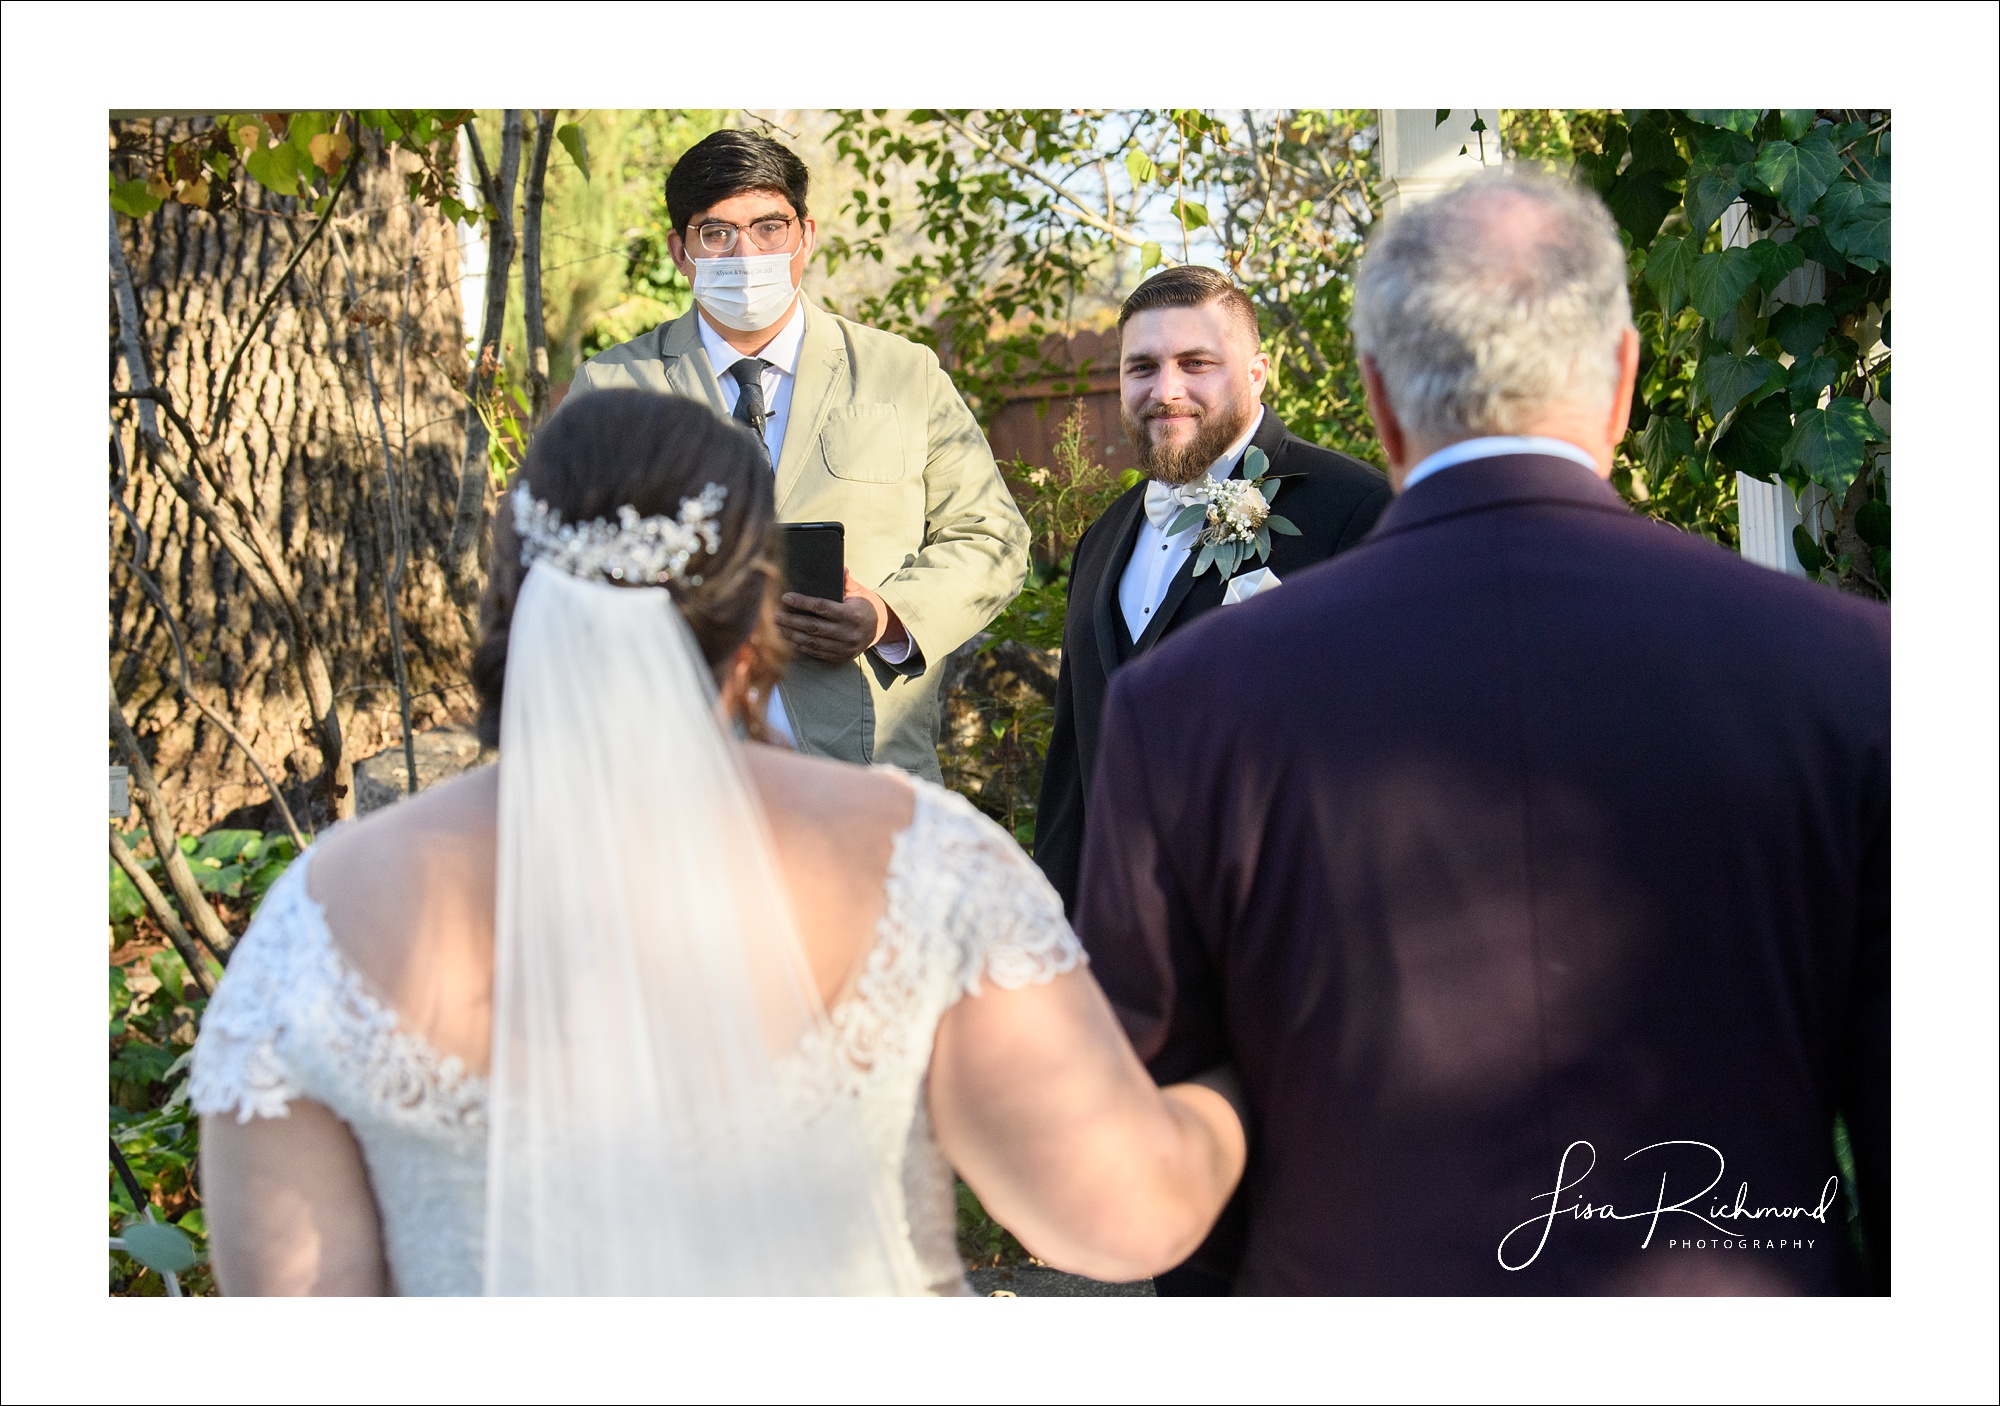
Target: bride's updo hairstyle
(609, 449)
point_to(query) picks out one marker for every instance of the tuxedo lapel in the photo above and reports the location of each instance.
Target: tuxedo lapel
(822, 359)
(1121, 522)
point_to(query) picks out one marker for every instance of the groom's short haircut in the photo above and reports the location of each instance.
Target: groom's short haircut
(728, 163)
(1191, 286)
(1483, 307)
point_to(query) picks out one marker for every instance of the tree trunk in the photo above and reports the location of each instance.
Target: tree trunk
(301, 432)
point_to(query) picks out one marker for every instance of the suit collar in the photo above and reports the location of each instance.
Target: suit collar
(1505, 479)
(685, 364)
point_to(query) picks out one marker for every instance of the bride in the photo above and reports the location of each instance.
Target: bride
(647, 1009)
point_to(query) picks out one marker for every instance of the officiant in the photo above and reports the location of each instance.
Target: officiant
(1191, 377)
(861, 427)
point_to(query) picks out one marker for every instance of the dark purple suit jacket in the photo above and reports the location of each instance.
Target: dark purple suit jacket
(1528, 835)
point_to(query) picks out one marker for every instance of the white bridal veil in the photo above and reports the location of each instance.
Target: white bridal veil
(661, 1122)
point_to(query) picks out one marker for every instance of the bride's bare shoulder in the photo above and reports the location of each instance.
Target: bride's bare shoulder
(799, 790)
(391, 859)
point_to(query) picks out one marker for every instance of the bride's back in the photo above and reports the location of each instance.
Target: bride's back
(408, 894)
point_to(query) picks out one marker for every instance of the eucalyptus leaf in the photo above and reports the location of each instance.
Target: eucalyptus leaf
(1717, 281)
(1206, 558)
(1264, 543)
(1282, 526)
(1256, 463)
(164, 1248)
(1188, 517)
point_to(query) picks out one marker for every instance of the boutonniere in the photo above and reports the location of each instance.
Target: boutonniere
(1236, 516)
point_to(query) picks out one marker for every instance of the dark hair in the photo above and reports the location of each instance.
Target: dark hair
(728, 163)
(1190, 286)
(607, 449)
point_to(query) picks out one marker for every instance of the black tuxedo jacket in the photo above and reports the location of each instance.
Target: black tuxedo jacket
(1530, 834)
(1333, 501)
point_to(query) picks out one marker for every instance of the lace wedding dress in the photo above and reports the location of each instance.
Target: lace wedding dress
(963, 907)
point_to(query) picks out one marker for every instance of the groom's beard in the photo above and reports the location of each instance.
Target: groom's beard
(1214, 432)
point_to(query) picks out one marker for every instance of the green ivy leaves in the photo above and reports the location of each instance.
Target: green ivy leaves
(1726, 379)
(1718, 281)
(1855, 218)
(1830, 444)
(1667, 274)
(1797, 173)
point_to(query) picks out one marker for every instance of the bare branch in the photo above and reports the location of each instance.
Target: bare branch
(163, 912)
(531, 271)
(166, 839)
(1078, 208)
(466, 519)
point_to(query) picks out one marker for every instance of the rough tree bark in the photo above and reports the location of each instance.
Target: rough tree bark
(302, 436)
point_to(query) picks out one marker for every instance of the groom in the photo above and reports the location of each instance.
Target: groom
(1190, 377)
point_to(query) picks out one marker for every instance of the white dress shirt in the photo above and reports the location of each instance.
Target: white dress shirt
(1492, 447)
(781, 355)
(1156, 557)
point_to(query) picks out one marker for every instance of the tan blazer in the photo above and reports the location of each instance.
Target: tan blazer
(878, 439)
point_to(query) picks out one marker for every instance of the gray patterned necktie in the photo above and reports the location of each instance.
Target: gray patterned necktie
(748, 374)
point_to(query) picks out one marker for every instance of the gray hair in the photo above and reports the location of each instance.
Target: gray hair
(1492, 302)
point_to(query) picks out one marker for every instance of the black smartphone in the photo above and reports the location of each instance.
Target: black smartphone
(815, 558)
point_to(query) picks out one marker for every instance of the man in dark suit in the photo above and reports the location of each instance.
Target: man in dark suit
(1530, 861)
(1191, 376)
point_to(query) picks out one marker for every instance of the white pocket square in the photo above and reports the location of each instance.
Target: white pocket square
(1250, 583)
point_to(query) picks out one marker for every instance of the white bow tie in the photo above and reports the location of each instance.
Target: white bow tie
(1164, 501)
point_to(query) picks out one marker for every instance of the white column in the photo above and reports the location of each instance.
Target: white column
(1766, 513)
(1421, 156)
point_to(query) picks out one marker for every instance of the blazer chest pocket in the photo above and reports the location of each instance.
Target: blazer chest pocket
(863, 443)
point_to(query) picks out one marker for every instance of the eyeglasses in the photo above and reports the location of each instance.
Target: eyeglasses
(769, 236)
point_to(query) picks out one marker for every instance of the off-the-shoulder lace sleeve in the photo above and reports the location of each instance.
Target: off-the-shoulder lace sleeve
(237, 1066)
(1004, 920)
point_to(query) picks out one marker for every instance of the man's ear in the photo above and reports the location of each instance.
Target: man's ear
(677, 251)
(1394, 443)
(1260, 372)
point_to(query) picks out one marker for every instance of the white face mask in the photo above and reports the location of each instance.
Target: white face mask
(745, 294)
